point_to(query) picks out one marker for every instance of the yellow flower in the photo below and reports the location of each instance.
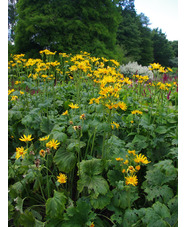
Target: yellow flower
(65, 113)
(114, 123)
(123, 170)
(42, 152)
(91, 101)
(62, 178)
(82, 116)
(126, 162)
(74, 106)
(14, 97)
(10, 91)
(25, 138)
(169, 69)
(20, 152)
(133, 180)
(119, 159)
(131, 169)
(53, 144)
(122, 105)
(132, 122)
(44, 138)
(131, 152)
(136, 112)
(92, 224)
(18, 82)
(21, 92)
(141, 158)
(138, 167)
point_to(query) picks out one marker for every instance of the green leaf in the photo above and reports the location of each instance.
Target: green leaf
(27, 219)
(121, 199)
(140, 142)
(158, 192)
(65, 160)
(46, 125)
(114, 176)
(101, 201)
(161, 130)
(80, 215)
(76, 145)
(154, 216)
(161, 210)
(60, 136)
(39, 223)
(91, 167)
(19, 206)
(96, 183)
(130, 218)
(18, 187)
(56, 205)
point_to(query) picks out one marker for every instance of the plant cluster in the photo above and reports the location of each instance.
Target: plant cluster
(134, 68)
(89, 146)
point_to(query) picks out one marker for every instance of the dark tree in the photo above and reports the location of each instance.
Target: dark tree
(163, 51)
(67, 26)
(146, 41)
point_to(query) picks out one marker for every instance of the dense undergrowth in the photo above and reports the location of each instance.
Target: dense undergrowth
(89, 146)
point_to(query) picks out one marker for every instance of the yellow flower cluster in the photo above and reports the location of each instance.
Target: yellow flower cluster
(160, 68)
(162, 86)
(114, 124)
(141, 79)
(47, 52)
(137, 112)
(131, 166)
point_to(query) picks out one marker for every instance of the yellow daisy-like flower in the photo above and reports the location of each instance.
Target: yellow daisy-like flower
(92, 224)
(138, 167)
(25, 138)
(119, 159)
(20, 152)
(65, 113)
(42, 152)
(62, 178)
(44, 138)
(132, 152)
(131, 169)
(126, 162)
(53, 144)
(133, 180)
(123, 170)
(122, 106)
(141, 158)
(14, 97)
(21, 92)
(114, 123)
(10, 91)
(136, 112)
(74, 106)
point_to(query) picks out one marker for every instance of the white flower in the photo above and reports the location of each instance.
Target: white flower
(133, 68)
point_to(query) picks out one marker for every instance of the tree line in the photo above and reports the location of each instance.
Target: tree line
(107, 28)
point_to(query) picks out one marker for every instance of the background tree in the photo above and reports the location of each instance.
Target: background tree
(163, 51)
(146, 50)
(67, 25)
(174, 60)
(129, 35)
